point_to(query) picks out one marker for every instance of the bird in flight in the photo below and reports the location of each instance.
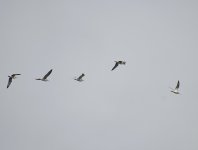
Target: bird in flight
(176, 88)
(13, 76)
(80, 77)
(118, 63)
(45, 77)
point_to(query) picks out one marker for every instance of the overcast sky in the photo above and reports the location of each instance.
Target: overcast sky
(130, 108)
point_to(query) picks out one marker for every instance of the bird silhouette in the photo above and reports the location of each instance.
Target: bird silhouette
(118, 63)
(45, 77)
(13, 76)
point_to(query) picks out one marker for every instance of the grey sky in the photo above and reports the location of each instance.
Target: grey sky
(130, 108)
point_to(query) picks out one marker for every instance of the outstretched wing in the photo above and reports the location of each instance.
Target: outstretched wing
(178, 84)
(13, 75)
(81, 76)
(116, 64)
(45, 77)
(9, 82)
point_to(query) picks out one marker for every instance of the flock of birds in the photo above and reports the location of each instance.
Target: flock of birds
(79, 79)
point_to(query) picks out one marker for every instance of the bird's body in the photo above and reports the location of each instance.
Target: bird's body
(80, 77)
(42, 79)
(13, 76)
(45, 77)
(118, 63)
(175, 91)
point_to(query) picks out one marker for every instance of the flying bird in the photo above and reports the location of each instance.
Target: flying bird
(176, 88)
(45, 77)
(118, 63)
(80, 77)
(13, 76)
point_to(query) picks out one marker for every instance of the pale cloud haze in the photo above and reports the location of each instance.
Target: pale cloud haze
(130, 108)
